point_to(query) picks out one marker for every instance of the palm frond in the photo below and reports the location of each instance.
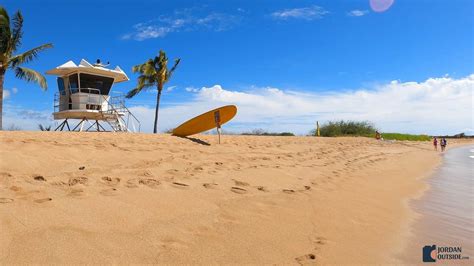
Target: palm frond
(5, 33)
(146, 81)
(31, 75)
(143, 68)
(28, 56)
(154, 72)
(132, 93)
(138, 68)
(170, 73)
(44, 128)
(4, 18)
(148, 69)
(161, 60)
(142, 85)
(17, 32)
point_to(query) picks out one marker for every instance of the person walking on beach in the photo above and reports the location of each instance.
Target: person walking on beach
(435, 143)
(443, 144)
(377, 135)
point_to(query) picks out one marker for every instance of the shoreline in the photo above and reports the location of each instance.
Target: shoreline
(421, 206)
(171, 200)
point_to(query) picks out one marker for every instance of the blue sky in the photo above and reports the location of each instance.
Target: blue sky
(308, 50)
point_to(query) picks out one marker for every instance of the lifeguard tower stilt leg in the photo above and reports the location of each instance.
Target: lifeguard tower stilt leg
(64, 123)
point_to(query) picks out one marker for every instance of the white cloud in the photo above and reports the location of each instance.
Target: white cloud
(435, 106)
(171, 88)
(357, 13)
(25, 119)
(191, 89)
(306, 13)
(184, 20)
(6, 94)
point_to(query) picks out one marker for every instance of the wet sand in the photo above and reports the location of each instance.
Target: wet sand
(446, 211)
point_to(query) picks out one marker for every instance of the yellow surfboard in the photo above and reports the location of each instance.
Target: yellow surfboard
(206, 121)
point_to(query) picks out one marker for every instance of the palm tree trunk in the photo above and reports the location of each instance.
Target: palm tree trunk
(2, 76)
(158, 96)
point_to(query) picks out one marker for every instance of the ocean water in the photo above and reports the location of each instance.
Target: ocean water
(447, 208)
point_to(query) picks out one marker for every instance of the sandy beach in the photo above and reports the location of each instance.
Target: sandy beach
(142, 198)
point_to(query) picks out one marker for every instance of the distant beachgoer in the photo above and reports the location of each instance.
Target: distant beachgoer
(377, 135)
(443, 144)
(435, 143)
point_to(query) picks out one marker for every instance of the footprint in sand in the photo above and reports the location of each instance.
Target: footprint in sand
(59, 183)
(6, 200)
(209, 185)
(238, 190)
(146, 173)
(5, 174)
(180, 185)
(308, 259)
(241, 183)
(43, 200)
(15, 188)
(320, 240)
(132, 183)
(289, 191)
(149, 182)
(77, 180)
(109, 192)
(261, 188)
(76, 192)
(306, 188)
(39, 178)
(111, 181)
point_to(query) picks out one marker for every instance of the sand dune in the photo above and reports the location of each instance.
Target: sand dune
(141, 198)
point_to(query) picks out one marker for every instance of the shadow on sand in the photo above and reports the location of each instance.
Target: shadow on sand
(198, 141)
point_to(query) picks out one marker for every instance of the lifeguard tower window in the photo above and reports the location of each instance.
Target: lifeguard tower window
(73, 84)
(103, 84)
(61, 88)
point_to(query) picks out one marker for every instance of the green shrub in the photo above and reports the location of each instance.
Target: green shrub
(346, 128)
(261, 132)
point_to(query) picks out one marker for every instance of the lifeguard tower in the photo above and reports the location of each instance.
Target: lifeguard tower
(84, 94)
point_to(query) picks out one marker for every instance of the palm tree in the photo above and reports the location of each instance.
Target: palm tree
(153, 72)
(10, 40)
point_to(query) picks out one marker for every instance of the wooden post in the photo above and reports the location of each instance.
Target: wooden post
(318, 133)
(217, 120)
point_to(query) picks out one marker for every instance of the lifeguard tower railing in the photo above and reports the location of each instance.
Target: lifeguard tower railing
(111, 108)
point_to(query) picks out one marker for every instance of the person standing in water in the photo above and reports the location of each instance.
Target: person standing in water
(443, 144)
(435, 143)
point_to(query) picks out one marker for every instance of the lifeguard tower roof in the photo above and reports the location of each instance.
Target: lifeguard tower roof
(85, 67)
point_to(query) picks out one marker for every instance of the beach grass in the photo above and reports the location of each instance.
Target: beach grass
(401, 136)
